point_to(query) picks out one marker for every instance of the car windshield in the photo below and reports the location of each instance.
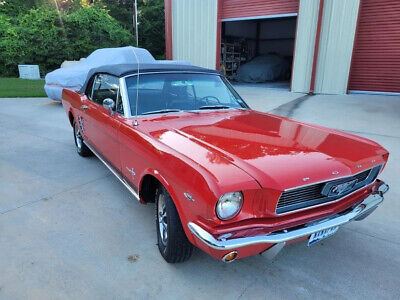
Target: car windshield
(172, 92)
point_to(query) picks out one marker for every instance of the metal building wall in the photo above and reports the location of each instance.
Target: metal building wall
(336, 46)
(307, 20)
(194, 31)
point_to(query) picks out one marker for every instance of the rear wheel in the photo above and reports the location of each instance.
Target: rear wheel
(81, 148)
(172, 241)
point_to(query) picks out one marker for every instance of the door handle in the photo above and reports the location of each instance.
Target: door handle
(84, 107)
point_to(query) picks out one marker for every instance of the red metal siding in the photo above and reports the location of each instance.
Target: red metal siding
(253, 8)
(219, 28)
(376, 58)
(168, 28)
(316, 46)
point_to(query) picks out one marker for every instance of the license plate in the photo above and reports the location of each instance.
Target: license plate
(320, 235)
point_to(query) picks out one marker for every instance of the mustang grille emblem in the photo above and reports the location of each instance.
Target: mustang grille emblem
(331, 189)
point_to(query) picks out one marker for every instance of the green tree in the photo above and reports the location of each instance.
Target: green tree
(150, 21)
(65, 6)
(47, 37)
(92, 28)
(151, 27)
(122, 11)
(44, 38)
(11, 46)
(13, 8)
(40, 32)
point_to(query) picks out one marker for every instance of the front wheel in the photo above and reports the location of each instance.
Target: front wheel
(172, 241)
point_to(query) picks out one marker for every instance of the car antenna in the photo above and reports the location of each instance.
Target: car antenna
(135, 122)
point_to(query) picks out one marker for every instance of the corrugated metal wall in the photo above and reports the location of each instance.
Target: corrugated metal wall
(251, 8)
(304, 49)
(336, 46)
(194, 31)
(376, 58)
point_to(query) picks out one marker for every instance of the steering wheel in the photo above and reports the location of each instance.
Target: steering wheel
(206, 99)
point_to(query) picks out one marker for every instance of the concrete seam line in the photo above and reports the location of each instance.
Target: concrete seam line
(54, 195)
(371, 236)
(287, 109)
(370, 133)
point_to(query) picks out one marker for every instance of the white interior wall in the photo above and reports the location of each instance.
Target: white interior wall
(336, 46)
(307, 19)
(194, 31)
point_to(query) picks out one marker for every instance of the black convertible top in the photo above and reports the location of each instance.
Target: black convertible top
(131, 69)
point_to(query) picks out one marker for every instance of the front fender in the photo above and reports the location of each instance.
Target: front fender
(187, 209)
(200, 207)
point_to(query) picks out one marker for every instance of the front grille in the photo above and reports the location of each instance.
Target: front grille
(311, 195)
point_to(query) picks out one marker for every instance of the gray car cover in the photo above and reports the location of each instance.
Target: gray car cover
(74, 77)
(263, 68)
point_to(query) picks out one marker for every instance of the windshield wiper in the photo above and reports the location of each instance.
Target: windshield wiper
(214, 107)
(161, 111)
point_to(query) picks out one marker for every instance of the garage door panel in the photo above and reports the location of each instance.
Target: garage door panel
(384, 26)
(253, 8)
(376, 58)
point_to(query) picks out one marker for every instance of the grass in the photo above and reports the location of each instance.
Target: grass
(16, 87)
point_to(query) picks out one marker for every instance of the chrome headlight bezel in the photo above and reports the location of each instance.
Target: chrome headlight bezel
(229, 205)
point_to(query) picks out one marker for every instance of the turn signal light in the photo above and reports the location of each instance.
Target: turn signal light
(231, 256)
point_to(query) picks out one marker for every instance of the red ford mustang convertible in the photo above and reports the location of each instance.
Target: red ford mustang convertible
(229, 180)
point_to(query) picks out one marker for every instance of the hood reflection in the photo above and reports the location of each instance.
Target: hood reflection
(263, 144)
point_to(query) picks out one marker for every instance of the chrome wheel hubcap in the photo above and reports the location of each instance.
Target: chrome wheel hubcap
(162, 220)
(78, 138)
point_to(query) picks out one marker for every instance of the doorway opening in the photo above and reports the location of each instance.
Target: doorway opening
(259, 51)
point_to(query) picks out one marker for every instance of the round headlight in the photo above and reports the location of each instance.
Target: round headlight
(229, 205)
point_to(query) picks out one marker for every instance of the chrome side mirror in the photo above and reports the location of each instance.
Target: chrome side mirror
(109, 104)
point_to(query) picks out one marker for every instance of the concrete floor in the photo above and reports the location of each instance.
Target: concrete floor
(263, 97)
(69, 229)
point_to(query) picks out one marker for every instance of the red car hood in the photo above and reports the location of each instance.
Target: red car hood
(277, 152)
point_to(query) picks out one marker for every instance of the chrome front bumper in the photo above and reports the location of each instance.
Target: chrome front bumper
(359, 212)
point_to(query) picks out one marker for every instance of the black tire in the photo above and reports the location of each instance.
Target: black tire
(175, 247)
(81, 147)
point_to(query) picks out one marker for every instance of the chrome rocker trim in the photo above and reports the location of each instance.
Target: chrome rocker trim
(132, 191)
(359, 212)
